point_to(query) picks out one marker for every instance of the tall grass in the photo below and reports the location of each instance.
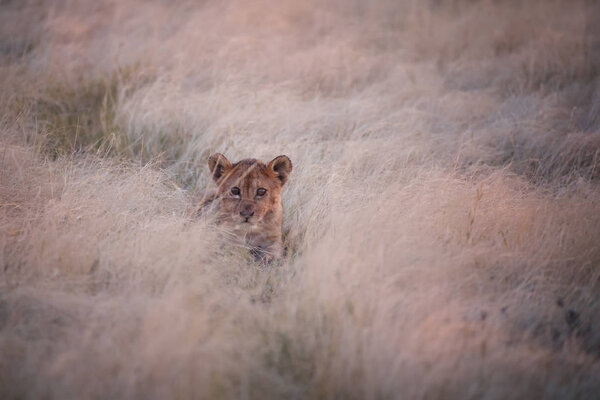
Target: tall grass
(442, 219)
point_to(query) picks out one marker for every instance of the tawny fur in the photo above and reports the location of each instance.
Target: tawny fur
(252, 217)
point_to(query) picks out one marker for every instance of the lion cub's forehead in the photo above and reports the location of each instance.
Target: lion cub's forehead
(251, 171)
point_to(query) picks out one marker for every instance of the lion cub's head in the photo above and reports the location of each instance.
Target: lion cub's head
(249, 194)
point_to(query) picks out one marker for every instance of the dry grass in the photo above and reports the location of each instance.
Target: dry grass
(442, 220)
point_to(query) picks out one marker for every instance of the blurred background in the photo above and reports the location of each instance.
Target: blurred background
(442, 219)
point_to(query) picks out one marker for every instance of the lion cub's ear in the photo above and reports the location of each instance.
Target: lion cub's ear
(282, 166)
(219, 165)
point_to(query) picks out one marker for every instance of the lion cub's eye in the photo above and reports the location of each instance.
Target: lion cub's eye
(261, 191)
(235, 191)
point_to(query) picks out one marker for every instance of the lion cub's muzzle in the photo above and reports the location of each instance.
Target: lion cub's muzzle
(246, 212)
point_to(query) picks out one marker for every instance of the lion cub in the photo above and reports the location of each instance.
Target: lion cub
(248, 201)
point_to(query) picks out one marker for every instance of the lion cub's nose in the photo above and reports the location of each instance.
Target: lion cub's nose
(247, 212)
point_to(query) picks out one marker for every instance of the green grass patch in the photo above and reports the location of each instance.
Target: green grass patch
(80, 118)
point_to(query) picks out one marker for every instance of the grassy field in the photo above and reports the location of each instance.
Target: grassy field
(442, 219)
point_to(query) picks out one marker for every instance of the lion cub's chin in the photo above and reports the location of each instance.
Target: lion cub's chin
(240, 229)
(247, 227)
